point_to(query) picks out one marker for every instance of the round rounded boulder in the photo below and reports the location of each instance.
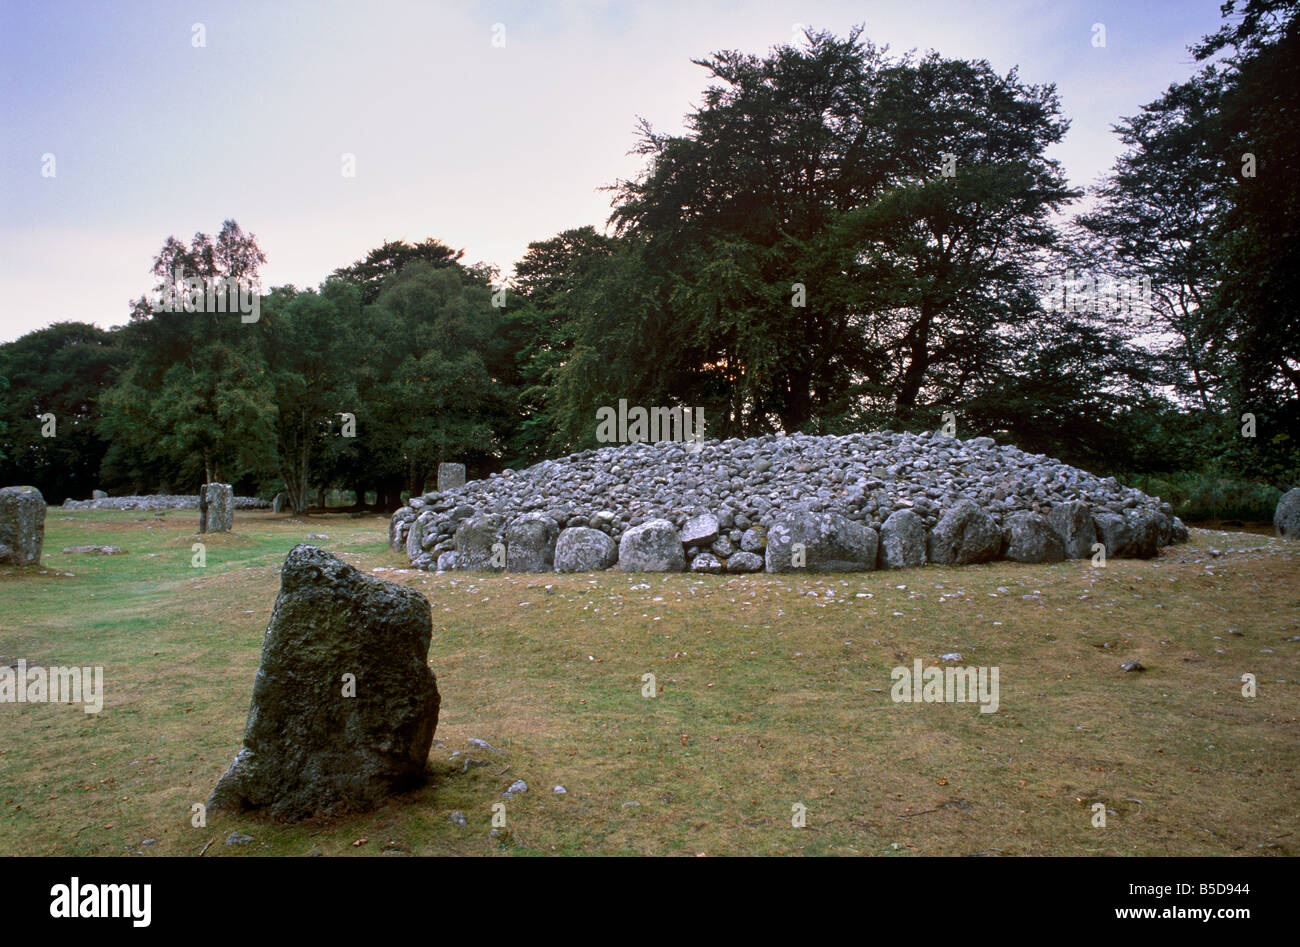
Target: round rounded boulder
(583, 549)
(651, 547)
(964, 535)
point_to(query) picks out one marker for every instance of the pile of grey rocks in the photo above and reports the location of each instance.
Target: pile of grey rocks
(157, 502)
(782, 503)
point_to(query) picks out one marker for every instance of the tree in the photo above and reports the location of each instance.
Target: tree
(803, 254)
(428, 393)
(390, 259)
(196, 390)
(61, 370)
(310, 341)
(1153, 226)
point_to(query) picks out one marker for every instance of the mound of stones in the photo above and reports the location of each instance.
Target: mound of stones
(344, 703)
(157, 502)
(782, 503)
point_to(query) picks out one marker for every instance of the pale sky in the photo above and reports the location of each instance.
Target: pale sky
(484, 147)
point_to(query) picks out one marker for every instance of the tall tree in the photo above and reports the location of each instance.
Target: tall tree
(391, 258)
(61, 370)
(836, 229)
(196, 389)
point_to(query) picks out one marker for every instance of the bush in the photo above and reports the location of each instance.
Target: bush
(1211, 495)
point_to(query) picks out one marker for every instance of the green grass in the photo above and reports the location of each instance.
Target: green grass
(771, 693)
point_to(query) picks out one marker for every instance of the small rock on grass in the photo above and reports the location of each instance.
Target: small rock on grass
(1132, 665)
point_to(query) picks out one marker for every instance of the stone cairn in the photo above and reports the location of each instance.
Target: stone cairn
(22, 526)
(782, 503)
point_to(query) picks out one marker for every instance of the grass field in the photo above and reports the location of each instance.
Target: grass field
(772, 691)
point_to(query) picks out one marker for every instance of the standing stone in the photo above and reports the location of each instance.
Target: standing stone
(1028, 538)
(450, 476)
(964, 535)
(309, 748)
(530, 543)
(277, 505)
(1072, 522)
(651, 547)
(831, 543)
(22, 525)
(476, 538)
(902, 541)
(216, 508)
(1286, 518)
(583, 549)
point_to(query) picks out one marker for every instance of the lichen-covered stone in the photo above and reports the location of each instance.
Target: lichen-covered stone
(344, 704)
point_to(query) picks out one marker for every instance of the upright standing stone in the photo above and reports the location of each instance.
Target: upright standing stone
(22, 525)
(344, 704)
(450, 476)
(277, 505)
(1286, 518)
(216, 508)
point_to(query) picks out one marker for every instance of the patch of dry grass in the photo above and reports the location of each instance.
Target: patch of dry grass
(772, 691)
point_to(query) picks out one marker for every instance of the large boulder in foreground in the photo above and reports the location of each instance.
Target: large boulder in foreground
(309, 749)
(1286, 518)
(828, 542)
(964, 535)
(22, 526)
(584, 549)
(902, 541)
(1027, 537)
(651, 547)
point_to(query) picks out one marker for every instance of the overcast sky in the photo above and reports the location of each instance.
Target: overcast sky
(485, 147)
